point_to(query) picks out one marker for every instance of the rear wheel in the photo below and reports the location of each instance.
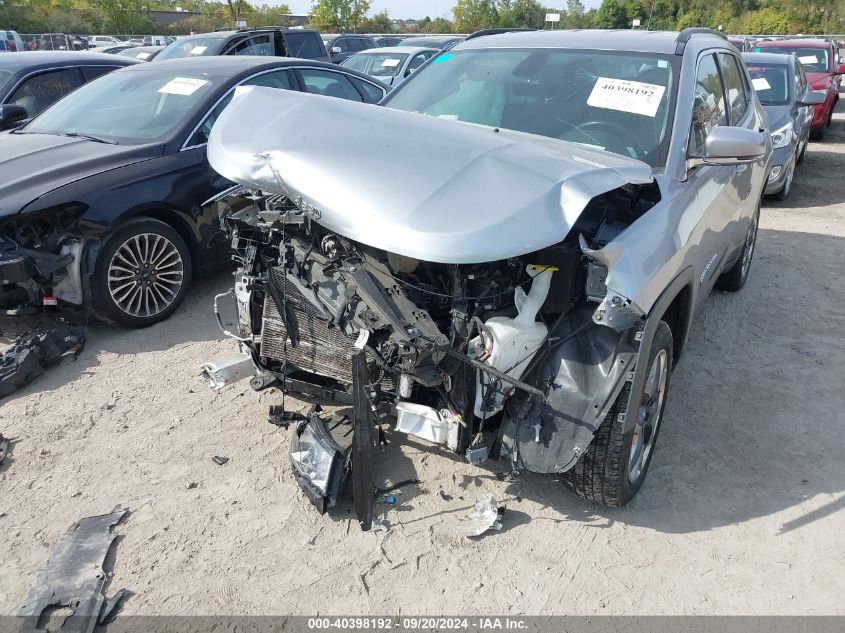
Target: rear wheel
(142, 273)
(614, 467)
(735, 278)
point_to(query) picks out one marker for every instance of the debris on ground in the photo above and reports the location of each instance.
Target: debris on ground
(485, 516)
(73, 576)
(217, 459)
(31, 354)
(4, 448)
(111, 606)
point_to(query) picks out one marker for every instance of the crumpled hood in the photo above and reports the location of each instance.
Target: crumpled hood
(412, 184)
(32, 165)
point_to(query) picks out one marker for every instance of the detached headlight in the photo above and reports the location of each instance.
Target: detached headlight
(318, 463)
(782, 136)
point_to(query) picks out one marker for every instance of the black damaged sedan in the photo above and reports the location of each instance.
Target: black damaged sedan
(107, 201)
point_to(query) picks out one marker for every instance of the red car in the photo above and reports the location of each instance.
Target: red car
(820, 59)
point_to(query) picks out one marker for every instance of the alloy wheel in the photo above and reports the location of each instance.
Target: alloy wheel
(648, 416)
(145, 275)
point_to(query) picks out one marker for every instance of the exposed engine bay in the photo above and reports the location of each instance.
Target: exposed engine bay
(517, 358)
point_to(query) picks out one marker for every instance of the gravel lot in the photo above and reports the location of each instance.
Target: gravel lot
(743, 511)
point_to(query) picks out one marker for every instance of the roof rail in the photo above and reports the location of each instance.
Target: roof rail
(685, 36)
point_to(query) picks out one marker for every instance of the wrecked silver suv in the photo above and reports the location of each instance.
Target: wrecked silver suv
(506, 258)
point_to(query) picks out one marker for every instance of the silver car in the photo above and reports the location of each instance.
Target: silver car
(506, 258)
(390, 64)
(782, 88)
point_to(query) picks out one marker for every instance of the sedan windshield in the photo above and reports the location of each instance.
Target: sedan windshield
(814, 60)
(377, 64)
(771, 83)
(131, 107)
(191, 47)
(617, 101)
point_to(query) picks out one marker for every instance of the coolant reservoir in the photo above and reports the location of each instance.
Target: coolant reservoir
(510, 343)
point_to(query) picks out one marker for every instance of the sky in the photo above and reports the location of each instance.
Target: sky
(400, 9)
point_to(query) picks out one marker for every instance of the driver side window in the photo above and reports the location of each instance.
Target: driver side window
(708, 108)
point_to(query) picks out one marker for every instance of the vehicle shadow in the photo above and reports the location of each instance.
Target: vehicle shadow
(754, 404)
(813, 186)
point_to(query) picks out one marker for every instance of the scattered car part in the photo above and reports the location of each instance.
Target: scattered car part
(32, 354)
(4, 448)
(73, 576)
(217, 459)
(227, 370)
(111, 606)
(486, 515)
(362, 443)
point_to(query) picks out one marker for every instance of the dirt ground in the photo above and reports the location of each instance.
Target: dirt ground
(743, 511)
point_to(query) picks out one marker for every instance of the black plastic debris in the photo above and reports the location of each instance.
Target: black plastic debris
(217, 459)
(73, 576)
(111, 606)
(4, 448)
(33, 353)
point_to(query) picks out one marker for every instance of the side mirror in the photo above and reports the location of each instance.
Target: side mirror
(12, 114)
(813, 97)
(731, 146)
(336, 50)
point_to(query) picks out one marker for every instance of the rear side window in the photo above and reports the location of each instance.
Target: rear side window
(305, 45)
(274, 79)
(708, 108)
(92, 72)
(355, 44)
(367, 43)
(329, 84)
(374, 93)
(43, 90)
(258, 45)
(734, 87)
(342, 43)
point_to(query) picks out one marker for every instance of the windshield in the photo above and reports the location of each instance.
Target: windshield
(617, 101)
(771, 83)
(377, 64)
(814, 60)
(189, 47)
(5, 76)
(127, 108)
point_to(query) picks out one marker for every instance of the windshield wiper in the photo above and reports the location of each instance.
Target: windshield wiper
(96, 139)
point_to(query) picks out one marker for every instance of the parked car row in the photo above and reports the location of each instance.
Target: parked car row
(506, 250)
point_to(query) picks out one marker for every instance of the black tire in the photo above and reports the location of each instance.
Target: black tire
(734, 279)
(800, 158)
(176, 279)
(603, 474)
(783, 194)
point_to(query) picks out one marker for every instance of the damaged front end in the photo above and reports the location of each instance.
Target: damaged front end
(40, 261)
(518, 355)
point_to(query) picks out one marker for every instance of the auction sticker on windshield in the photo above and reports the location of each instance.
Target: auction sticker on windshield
(808, 59)
(182, 86)
(626, 96)
(391, 63)
(197, 50)
(760, 83)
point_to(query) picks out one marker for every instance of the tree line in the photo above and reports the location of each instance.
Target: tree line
(132, 16)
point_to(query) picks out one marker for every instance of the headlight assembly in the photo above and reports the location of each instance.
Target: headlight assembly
(319, 464)
(782, 136)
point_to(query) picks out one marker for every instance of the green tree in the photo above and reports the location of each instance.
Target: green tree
(379, 23)
(472, 15)
(611, 15)
(338, 15)
(574, 18)
(521, 13)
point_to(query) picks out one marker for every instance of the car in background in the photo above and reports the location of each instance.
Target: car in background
(441, 42)
(55, 42)
(117, 48)
(743, 44)
(343, 46)
(96, 41)
(821, 62)
(387, 41)
(618, 173)
(391, 65)
(142, 53)
(32, 81)
(157, 40)
(785, 94)
(273, 42)
(11, 42)
(107, 199)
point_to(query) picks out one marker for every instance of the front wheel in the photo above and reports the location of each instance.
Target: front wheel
(614, 466)
(142, 273)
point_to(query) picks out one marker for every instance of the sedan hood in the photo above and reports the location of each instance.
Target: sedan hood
(35, 164)
(411, 184)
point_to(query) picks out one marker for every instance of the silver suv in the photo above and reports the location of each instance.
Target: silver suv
(506, 257)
